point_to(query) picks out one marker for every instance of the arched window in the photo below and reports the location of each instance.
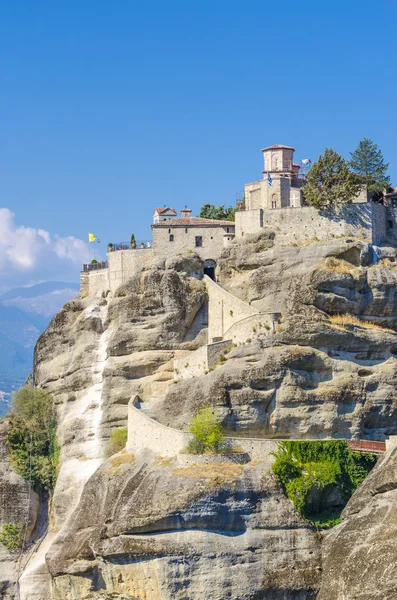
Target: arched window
(274, 200)
(171, 238)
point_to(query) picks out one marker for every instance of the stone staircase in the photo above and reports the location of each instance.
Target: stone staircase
(144, 407)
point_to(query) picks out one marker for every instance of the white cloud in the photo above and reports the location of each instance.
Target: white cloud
(27, 253)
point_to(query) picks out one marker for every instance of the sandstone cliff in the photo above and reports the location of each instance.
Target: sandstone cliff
(137, 525)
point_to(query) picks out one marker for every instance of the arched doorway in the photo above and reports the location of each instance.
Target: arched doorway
(209, 268)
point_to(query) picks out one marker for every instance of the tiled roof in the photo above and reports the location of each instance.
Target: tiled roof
(164, 209)
(278, 147)
(194, 221)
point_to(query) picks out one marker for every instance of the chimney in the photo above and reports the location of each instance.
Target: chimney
(186, 212)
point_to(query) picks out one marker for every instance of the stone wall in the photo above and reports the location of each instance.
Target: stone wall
(254, 326)
(92, 282)
(192, 364)
(224, 310)
(146, 433)
(185, 239)
(124, 264)
(304, 225)
(195, 363)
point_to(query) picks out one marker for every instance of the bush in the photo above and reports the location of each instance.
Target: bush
(33, 430)
(117, 441)
(206, 430)
(306, 467)
(195, 446)
(11, 536)
(94, 261)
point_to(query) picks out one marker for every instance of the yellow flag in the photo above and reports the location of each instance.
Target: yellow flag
(91, 237)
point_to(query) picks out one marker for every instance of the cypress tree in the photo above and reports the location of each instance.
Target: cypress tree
(330, 182)
(368, 163)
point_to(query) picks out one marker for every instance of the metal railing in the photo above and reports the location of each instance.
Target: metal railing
(95, 266)
(138, 245)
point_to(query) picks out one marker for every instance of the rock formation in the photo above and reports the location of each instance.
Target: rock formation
(137, 525)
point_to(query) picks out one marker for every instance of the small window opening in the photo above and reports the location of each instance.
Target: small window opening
(171, 238)
(199, 241)
(186, 230)
(169, 231)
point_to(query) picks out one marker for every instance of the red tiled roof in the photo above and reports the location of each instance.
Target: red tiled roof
(194, 221)
(278, 147)
(164, 209)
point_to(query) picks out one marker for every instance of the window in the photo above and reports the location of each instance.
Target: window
(169, 231)
(199, 241)
(390, 224)
(186, 230)
(171, 238)
(227, 229)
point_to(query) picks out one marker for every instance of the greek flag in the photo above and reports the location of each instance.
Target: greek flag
(269, 180)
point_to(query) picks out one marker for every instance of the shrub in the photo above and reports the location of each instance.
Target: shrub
(248, 340)
(222, 358)
(195, 446)
(11, 536)
(117, 441)
(33, 430)
(306, 467)
(94, 261)
(206, 429)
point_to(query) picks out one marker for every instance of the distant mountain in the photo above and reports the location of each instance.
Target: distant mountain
(42, 299)
(24, 315)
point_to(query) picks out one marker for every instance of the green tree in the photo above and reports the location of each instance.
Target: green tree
(221, 213)
(330, 182)
(33, 431)
(206, 430)
(368, 163)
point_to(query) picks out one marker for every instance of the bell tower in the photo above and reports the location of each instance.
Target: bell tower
(278, 171)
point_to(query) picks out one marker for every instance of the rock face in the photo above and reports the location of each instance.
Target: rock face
(359, 559)
(16, 506)
(139, 526)
(314, 376)
(168, 530)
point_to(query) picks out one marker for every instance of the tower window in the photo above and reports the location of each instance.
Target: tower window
(171, 238)
(199, 241)
(169, 231)
(186, 230)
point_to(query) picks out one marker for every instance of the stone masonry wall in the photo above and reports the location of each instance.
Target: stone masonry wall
(146, 433)
(251, 327)
(194, 364)
(366, 221)
(224, 310)
(185, 239)
(124, 264)
(94, 281)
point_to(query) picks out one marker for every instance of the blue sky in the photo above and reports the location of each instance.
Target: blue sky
(109, 109)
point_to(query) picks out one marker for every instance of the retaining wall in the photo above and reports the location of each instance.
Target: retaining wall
(364, 220)
(124, 264)
(92, 282)
(224, 310)
(146, 433)
(195, 363)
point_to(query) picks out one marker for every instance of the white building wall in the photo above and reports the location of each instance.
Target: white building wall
(213, 240)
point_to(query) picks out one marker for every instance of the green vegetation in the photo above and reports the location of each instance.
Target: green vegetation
(117, 441)
(33, 430)
(11, 536)
(207, 432)
(368, 163)
(221, 213)
(94, 261)
(310, 471)
(330, 182)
